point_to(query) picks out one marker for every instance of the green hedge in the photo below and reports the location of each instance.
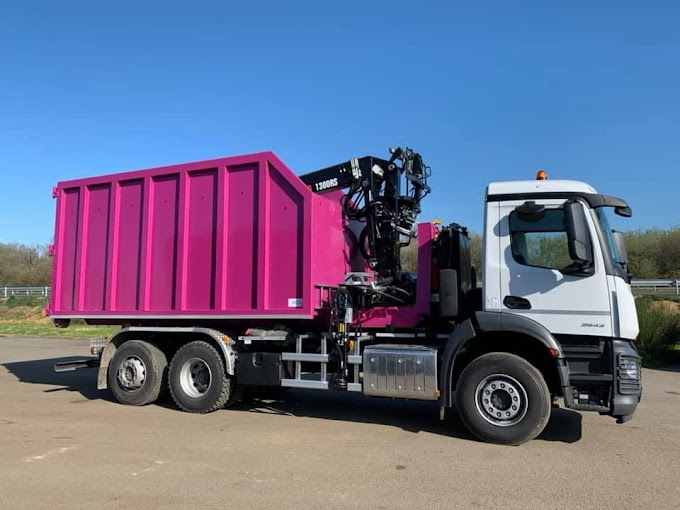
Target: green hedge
(659, 332)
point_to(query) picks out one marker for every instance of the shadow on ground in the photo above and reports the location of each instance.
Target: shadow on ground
(41, 371)
(410, 415)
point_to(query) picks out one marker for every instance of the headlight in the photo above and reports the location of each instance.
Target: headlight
(630, 370)
(629, 374)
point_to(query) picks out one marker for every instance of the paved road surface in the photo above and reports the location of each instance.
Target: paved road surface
(65, 445)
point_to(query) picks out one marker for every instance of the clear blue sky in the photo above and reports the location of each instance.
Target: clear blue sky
(484, 90)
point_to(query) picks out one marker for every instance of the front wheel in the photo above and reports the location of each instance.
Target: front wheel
(502, 398)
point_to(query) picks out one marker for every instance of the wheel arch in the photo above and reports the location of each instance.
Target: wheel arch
(221, 341)
(496, 332)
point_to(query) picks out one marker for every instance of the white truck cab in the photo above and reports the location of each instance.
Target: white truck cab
(526, 256)
(553, 266)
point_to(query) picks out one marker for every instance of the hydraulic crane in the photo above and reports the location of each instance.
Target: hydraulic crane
(375, 197)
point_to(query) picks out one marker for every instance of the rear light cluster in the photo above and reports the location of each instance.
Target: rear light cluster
(629, 375)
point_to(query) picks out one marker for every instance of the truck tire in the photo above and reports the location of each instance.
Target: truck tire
(502, 398)
(137, 373)
(198, 381)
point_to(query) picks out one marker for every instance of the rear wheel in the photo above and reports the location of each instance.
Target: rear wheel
(502, 398)
(198, 381)
(137, 372)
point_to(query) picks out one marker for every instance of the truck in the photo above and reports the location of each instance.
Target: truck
(235, 274)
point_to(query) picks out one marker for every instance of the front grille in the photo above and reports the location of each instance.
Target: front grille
(629, 375)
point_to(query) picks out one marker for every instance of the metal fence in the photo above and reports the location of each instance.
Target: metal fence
(656, 286)
(24, 292)
(639, 286)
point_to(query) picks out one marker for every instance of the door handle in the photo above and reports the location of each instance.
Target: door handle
(517, 303)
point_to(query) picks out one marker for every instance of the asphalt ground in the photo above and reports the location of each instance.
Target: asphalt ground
(63, 444)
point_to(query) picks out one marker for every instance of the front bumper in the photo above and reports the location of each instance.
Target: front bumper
(605, 378)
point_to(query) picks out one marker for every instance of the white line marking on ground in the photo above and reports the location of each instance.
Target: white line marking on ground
(64, 449)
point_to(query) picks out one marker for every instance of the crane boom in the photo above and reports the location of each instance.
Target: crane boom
(375, 197)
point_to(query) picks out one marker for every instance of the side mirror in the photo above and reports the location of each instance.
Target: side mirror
(626, 211)
(578, 237)
(622, 248)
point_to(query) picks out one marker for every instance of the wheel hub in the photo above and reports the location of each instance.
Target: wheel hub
(501, 400)
(131, 373)
(195, 377)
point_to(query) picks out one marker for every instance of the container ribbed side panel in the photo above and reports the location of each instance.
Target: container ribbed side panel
(67, 246)
(128, 257)
(227, 238)
(242, 221)
(94, 263)
(199, 249)
(163, 237)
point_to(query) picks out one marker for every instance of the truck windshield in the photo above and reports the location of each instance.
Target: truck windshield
(608, 237)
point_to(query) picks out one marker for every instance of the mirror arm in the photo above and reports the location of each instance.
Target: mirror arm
(579, 269)
(626, 268)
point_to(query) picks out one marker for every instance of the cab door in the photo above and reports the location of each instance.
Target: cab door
(532, 253)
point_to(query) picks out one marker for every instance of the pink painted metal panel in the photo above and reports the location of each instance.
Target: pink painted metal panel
(262, 259)
(199, 250)
(127, 256)
(163, 236)
(334, 243)
(111, 289)
(66, 255)
(221, 242)
(242, 224)
(285, 215)
(226, 237)
(145, 245)
(181, 243)
(95, 256)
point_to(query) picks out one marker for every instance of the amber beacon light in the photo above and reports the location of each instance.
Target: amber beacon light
(541, 175)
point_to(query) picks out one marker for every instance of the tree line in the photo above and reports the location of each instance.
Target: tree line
(24, 266)
(653, 253)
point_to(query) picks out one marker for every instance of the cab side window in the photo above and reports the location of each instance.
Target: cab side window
(540, 242)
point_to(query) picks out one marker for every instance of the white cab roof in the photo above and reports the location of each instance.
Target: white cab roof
(536, 186)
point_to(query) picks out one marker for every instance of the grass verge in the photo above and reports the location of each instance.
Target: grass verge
(26, 317)
(48, 330)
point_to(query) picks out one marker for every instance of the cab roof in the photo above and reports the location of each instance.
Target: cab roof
(538, 186)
